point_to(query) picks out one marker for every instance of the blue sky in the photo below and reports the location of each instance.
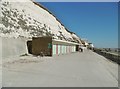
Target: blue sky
(95, 21)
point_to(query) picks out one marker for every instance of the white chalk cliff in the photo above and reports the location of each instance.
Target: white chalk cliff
(26, 18)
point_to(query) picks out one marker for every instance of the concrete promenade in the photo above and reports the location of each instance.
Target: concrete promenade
(86, 69)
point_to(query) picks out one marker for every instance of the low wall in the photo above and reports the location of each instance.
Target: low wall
(0, 51)
(112, 56)
(11, 47)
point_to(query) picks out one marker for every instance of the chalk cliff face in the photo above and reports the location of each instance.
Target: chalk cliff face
(25, 18)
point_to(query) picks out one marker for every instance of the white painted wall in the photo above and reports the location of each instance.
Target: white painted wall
(12, 47)
(64, 49)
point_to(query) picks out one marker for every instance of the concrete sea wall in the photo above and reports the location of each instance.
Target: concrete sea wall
(112, 56)
(12, 47)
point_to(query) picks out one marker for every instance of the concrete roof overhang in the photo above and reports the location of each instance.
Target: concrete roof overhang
(54, 41)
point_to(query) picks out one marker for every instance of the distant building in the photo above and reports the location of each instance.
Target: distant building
(91, 46)
(85, 42)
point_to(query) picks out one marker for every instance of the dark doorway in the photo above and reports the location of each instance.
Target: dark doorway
(29, 46)
(77, 47)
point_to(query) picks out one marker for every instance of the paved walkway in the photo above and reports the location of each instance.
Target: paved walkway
(86, 69)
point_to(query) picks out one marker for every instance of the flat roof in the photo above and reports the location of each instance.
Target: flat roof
(54, 41)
